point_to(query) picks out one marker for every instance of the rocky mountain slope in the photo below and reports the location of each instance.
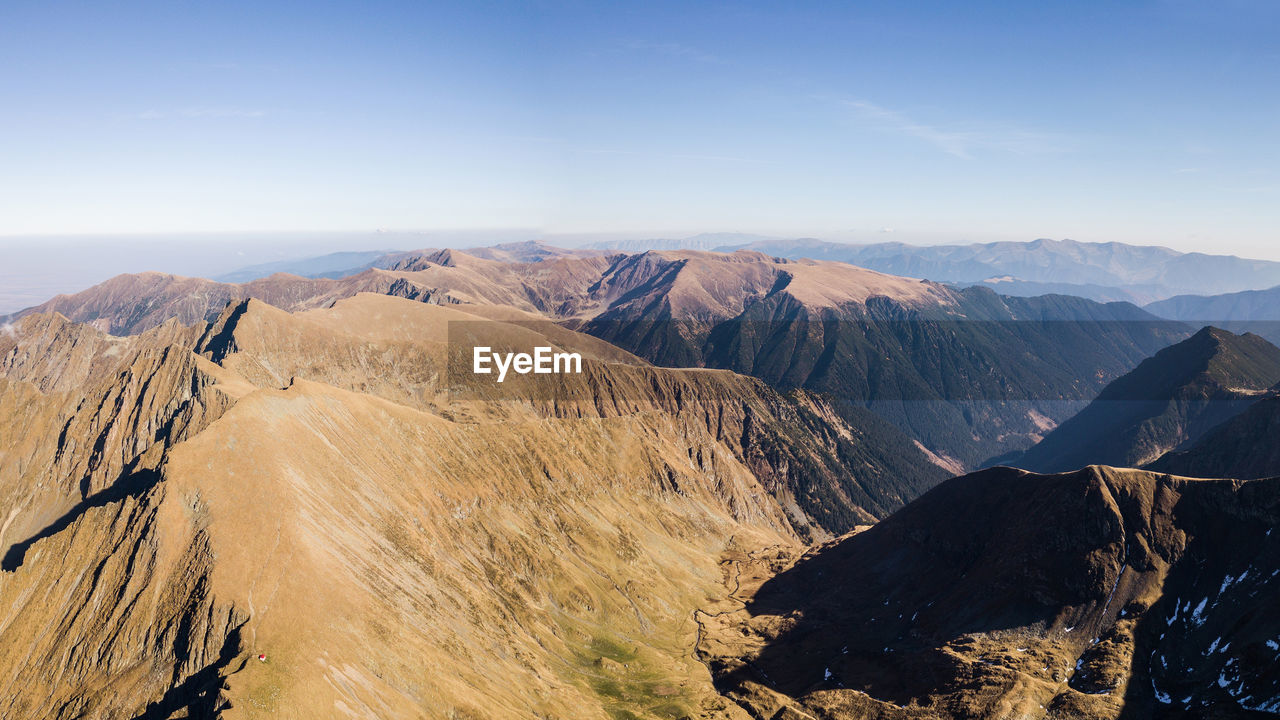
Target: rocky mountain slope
(1169, 401)
(318, 489)
(1097, 594)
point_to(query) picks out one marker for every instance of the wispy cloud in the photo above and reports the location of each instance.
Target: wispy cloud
(961, 142)
(8, 329)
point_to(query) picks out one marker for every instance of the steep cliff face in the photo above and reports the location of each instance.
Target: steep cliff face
(97, 617)
(1097, 594)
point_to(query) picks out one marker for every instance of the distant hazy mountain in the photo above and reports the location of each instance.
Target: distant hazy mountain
(1103, 272)
(1244, 447)
(1167, 402)
(1098, 293)
(343, 264)
(339, 264)
(1256, 311)
(704, 241)
(1098, 271)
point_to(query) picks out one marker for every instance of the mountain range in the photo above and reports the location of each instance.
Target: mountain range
(1256, 311)
(1104, 272)
(968, 374)
(290, 497)
(1099, 271)
(313, 488)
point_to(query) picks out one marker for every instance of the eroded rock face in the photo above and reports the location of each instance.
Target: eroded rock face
(1096, 594)
(99, 617)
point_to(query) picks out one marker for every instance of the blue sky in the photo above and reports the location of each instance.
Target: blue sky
(1138, 122)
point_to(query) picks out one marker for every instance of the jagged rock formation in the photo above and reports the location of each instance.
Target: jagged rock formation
(1098, 594)
(1168, 402)
(97, 618)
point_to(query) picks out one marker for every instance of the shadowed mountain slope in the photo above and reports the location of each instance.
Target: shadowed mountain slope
(1243, 447)
(1098, 594)
(1170, 400)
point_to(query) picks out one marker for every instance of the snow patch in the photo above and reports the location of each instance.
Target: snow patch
(1197, 615)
